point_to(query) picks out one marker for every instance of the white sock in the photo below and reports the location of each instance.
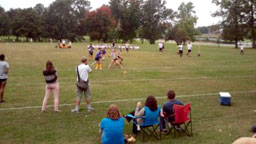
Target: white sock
(77, 108)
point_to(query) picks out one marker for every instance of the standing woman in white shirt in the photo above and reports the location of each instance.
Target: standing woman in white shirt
(52, 85)
(4, 68)
(189, 49)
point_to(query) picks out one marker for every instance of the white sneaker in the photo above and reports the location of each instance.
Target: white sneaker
(90, 109)
(75, 111)
(138, 127)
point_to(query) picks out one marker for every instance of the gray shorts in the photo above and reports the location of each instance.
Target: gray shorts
(80, 92)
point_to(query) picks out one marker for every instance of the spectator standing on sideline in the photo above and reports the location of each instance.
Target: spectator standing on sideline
(83, 71)
(4, 69)
(52, 85)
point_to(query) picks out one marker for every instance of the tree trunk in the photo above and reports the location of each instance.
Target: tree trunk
(253, 27)
(236, 43)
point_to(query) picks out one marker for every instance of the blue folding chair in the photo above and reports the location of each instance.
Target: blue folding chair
(151, 123)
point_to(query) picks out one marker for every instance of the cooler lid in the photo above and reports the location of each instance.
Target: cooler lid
(225, 94)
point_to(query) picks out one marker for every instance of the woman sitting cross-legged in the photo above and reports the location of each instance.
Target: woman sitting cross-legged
(112, 127)
(150, 103)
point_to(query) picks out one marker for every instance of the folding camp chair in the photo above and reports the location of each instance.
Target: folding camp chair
(151, 125)
(182, 120)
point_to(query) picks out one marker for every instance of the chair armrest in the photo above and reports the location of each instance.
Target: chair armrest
(169, 116)
(133, 117)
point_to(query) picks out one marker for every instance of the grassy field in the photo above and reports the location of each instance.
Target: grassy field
(195, 79)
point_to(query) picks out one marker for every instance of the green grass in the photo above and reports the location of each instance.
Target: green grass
(148, 73)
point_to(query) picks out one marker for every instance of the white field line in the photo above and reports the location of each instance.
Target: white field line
(136, 80)
(166, 67)
(125, 100)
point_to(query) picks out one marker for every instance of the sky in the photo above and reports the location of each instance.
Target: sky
(203, 8)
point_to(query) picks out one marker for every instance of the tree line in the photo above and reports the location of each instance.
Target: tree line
(126, 20)
(121, 20)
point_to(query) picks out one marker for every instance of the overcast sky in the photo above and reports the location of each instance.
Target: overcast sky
(203, 8)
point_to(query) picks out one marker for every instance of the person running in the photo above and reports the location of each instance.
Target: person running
(114, 55)
(4, 69)
(189, 49)
(52, 85)
(83, 71)
(180, 50)
(97, 59)
(119, 56)
(90, 50)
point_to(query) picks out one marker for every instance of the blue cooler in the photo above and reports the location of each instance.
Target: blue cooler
(225, 98)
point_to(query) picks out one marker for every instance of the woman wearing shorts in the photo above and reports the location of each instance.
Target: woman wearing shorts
(114, 55)
(97, 59)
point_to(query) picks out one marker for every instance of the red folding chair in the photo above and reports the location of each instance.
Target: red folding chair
(182, 120)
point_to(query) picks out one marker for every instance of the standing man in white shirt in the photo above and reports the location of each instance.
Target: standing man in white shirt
(83, 71)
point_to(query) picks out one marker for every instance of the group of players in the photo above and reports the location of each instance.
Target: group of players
(180, 48)
(115, 54)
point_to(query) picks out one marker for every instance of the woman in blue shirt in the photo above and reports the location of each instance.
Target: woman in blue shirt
(112, 127)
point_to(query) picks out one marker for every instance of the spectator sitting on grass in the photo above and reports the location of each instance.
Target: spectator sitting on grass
(112, 127)
(168, 108)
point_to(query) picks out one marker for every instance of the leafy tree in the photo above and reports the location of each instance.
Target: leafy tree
(155, 15)
(128, 14)
(184, 28)
(233, 20)
(250, 15)
(116, 8)
(203, 30)
(65, 19)
(100, 23)
(4, 22)
(39, 9)
(27, 23)
(13, 16)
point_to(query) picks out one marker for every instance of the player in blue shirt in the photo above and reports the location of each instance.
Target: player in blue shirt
(97, 59)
